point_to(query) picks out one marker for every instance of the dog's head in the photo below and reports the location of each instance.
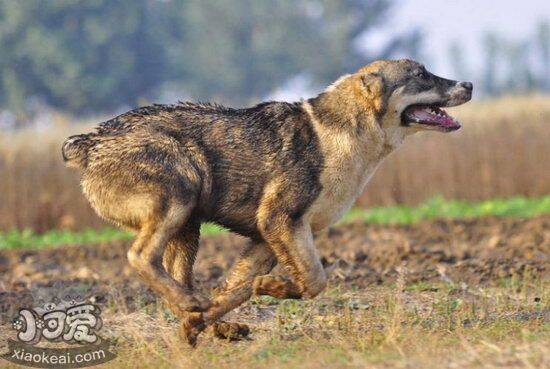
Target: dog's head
(406, 95)
(402, 96)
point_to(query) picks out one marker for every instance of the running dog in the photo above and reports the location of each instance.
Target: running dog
(277, 173)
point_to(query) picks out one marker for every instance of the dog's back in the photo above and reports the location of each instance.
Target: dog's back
(220, 158)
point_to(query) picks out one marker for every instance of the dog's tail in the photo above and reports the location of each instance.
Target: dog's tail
(75, 151)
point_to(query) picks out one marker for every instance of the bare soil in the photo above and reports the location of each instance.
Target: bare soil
(484, 251)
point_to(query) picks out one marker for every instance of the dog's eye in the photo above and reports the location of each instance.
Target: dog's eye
(420, 73)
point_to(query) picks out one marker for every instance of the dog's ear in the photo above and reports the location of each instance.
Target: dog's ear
(374, 89)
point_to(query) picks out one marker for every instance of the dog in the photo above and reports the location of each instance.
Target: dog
(276, 173)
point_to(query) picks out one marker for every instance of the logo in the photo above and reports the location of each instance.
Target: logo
(69, 319)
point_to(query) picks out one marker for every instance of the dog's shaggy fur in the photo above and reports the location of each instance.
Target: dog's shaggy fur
(276, 173)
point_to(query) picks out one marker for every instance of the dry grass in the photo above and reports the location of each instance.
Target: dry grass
(402, 326)
(502, 151)
(499, 152)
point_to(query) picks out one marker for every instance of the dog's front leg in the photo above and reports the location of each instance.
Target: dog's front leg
(292, 244)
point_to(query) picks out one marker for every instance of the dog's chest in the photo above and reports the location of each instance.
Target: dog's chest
(348, 167)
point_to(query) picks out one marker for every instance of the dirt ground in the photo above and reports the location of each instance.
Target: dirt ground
(473, 252)
(439, 294)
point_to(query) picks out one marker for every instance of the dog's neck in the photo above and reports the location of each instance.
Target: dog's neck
(350, 154)
(339, 114)
(339, 110)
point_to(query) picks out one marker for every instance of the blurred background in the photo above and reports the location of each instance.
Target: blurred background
(66, 65)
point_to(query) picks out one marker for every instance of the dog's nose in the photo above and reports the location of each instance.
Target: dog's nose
(467, 85)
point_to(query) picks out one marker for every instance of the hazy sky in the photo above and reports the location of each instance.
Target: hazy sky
(443, 21)
(465, 20)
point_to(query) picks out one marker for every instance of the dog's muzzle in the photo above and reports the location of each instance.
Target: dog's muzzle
(460, 94)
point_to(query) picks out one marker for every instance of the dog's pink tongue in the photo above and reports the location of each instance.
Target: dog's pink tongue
(427, 115)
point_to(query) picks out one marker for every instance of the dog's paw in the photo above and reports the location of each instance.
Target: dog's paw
(275, 287)
(230, 331)
(192, 324)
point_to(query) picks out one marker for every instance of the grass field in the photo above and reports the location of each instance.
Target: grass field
(448, 293)
(402, 322)
(434, 208)
(407, 326)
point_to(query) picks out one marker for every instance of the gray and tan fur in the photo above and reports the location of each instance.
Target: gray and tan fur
(276, 173)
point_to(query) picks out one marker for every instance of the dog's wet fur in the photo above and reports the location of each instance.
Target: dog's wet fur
(277, 173)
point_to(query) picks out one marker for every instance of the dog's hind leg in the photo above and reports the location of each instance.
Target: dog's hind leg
(179, 257)
(256, 259)
(146, 256)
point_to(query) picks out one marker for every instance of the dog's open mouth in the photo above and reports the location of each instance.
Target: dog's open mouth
(429, 115)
